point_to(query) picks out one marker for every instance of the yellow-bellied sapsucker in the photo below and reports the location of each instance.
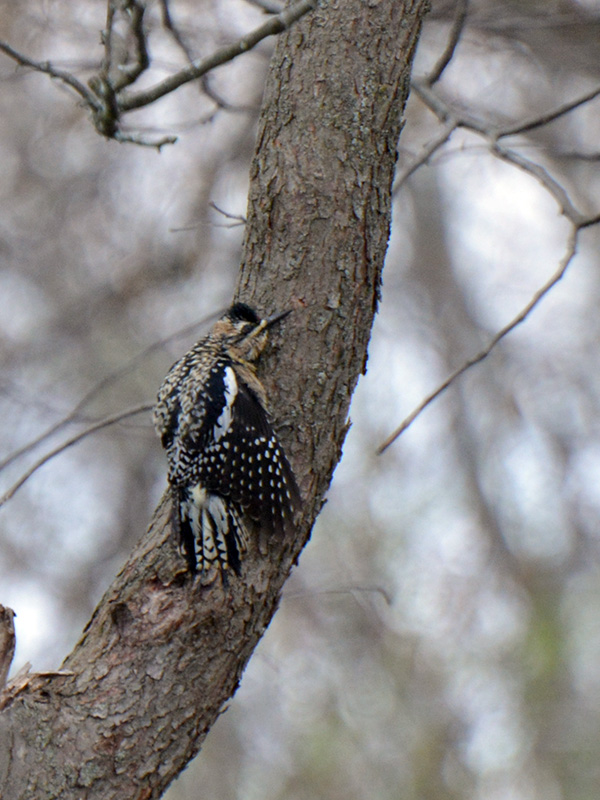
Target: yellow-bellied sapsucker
(226, 465)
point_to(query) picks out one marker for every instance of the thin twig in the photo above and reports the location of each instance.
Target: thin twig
(237, 219)
(46, 67)
(521, 317)
(426, 152)
(577, 155)
(75, 414)
(107, 37)
(129, 73)
(134, 138)
(341, 590)
(104, 423)
(452, 120)
(589, 222)
(551, 116)
(458, 24)
(276, 24)
(446, 115)
(125, 71)
(205, 86)
(542, 175)
(219, 101)
(443, 111)
(106, 95)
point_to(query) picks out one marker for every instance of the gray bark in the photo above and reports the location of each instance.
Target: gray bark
(161, 654)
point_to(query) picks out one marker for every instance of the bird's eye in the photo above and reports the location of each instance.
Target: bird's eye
(245, 329)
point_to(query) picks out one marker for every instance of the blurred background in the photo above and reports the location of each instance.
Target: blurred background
(440, 637)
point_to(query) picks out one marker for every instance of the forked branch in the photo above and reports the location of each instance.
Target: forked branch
(108, 96)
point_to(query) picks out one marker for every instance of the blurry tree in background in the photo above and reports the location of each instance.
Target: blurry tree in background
(440, 638)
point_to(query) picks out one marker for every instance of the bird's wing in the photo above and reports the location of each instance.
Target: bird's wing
(233, 451)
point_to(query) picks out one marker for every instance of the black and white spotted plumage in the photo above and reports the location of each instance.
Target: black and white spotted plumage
(226, 465)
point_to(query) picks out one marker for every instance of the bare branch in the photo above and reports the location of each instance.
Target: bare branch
(458, 24)
(59, 74)
(451, 121)
(106, 96)
(445, 114)
(103, 423)
(493, 134)
(576, 154)
(426, 152)
(168, 23)
(542, 176)
(521, 317)
(107, 38)
(219, 101)
(351, 590)
(75, 414)
(125, 52)
(134, 138)
(551, 116)
(204, 81)
(131, 72)
(589, 222)
(276, 24)
(237, 219)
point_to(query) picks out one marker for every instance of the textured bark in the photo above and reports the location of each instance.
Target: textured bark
(161, 655)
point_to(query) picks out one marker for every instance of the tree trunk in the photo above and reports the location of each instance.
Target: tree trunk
(162, 654)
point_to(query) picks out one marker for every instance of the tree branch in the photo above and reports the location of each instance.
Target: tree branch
(275, 24)
(451, 121)
(107, 97)
(97, 426)
(458, 24)
(566, 260)
(551, 116)
(59, 74)
(76, 413)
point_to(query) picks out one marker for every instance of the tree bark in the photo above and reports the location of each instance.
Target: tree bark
(162, 654)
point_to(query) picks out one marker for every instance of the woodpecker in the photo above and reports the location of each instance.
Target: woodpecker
(226, 465)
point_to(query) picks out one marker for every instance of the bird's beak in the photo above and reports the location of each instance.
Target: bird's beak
(276, 318)
(266, 323)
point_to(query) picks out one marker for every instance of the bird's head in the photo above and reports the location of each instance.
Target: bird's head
(244, 332)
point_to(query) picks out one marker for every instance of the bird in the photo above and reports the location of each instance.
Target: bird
(227, 471)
